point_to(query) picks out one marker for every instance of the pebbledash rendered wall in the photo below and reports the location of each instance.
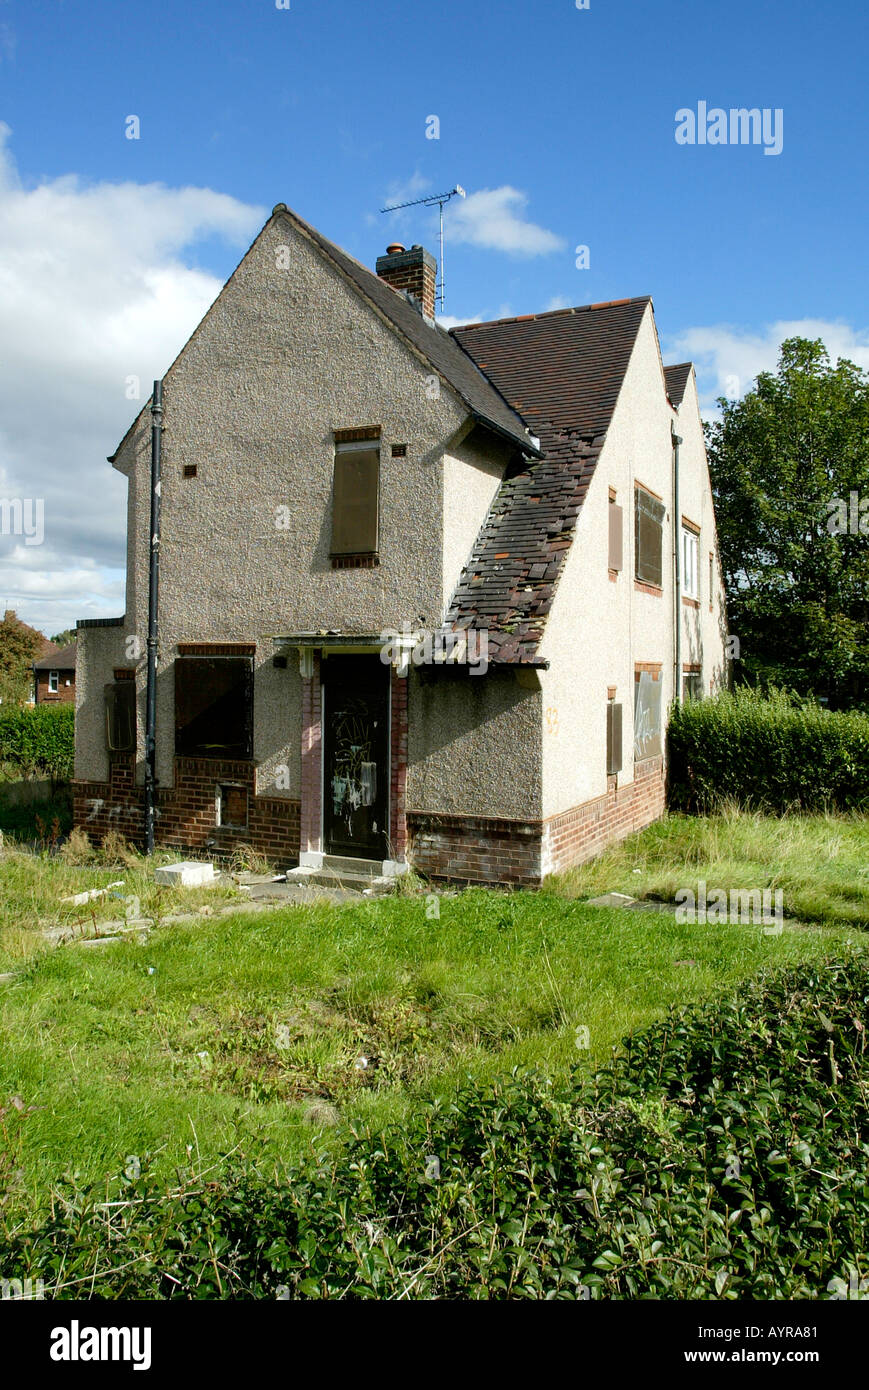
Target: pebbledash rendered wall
(600, 628)
(283, 358)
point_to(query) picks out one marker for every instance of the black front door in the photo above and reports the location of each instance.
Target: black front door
(356, 755)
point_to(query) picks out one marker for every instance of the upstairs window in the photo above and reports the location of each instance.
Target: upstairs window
(355, 496)
(690, 564)
(648, 538)
(214, 707)
(615, 535)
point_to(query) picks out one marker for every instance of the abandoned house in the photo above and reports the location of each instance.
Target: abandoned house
(425, 597)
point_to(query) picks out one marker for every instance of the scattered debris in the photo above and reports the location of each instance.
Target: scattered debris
(190, 873)
(612, 900)
(79, 899)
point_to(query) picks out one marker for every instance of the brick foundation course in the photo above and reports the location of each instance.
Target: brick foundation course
(477, 849)
(186, 811)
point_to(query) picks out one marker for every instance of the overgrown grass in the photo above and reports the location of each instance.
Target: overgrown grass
(718, 1156)
(821, 863)
(33, 885)
(251, 1031)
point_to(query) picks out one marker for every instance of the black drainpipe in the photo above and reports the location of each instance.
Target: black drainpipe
(153, 594)
(677, 570)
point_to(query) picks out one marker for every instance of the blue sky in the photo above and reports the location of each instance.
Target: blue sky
(559, 123)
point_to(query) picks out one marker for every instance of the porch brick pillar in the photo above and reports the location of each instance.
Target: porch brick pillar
(398, 765)
(312, 735)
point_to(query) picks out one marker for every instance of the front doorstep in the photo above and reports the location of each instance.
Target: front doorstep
(314, 859)
(311, 859)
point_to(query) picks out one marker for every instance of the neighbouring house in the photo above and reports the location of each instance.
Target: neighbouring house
(39, 646)
(418, 588)
(54, 677)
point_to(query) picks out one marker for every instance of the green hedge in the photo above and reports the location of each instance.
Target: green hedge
(719, 1156)
(39, 740)
(767, 752)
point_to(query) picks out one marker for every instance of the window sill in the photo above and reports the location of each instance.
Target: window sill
(355, 562)
(690, 602)
(643, 588)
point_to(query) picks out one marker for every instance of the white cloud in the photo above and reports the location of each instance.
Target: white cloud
(450, 321)
(93, 291)
(494, 218)
(728, 359)
(557, 301)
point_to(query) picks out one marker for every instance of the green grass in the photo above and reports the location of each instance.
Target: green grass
(820, 862)
(101, 1045)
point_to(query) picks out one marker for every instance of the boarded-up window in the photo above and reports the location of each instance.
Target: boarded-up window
(648, 537)
(355, 500)
(231, 805)
(647, 715)
(214, 707)
(615, 535)
(613, 738)
(121, 716)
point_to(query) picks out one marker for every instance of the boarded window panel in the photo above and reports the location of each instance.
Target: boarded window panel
(355, 502)
(613, 738)
(213, 707)
(616, 527)
(647, 716)
(232, 806)
(649, 538)
(121, 716)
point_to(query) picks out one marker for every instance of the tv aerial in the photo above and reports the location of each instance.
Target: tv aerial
(438, 199)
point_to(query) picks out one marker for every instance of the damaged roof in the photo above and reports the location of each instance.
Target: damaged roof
(563, 372)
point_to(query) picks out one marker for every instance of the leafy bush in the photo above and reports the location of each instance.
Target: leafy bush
(720, 1156)
(39, 740)
(767, 753)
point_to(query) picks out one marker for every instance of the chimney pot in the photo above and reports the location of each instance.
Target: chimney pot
(412, 272)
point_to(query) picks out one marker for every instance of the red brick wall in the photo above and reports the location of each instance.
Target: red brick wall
(186, 812)
(582, 832)
(64, 695)
(475, 849)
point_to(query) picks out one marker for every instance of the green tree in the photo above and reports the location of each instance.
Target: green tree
(790, 477)
(63, 639)
(20, 646)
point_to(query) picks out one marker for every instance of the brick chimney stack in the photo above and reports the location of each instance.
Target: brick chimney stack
(414, 270)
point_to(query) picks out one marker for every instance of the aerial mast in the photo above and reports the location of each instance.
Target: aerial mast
(440, 199)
